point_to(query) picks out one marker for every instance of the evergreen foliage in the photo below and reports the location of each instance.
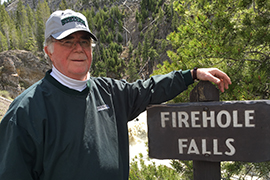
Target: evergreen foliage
(63, 5)
(234, 37)
(3, 42)
(140, 170)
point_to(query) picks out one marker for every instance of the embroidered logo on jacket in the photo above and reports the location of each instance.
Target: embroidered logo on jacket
(103, 107)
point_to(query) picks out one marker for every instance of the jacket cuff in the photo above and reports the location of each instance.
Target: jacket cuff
(187, 77)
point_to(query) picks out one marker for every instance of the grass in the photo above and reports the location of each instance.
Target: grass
(5, 94)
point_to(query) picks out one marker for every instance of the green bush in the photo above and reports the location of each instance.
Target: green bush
(140, 170)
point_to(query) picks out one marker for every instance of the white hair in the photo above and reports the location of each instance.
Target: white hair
(50, 46)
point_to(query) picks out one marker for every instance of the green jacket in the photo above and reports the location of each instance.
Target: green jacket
(51, 132)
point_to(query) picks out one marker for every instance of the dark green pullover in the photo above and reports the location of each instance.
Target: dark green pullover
(51, 132)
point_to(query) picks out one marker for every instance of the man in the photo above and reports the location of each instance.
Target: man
(71, 126)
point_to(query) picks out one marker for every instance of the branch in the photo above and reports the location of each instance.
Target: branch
(149, 24)
(255, 60)
(144, 66)
(122, 25)
(257, 52)
(107, 20)
(124, 3)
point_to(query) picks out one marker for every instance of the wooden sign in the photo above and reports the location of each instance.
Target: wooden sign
(210, 131)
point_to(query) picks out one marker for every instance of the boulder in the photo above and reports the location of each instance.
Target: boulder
(19, 69)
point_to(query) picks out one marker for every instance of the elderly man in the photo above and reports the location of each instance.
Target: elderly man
(71, 126)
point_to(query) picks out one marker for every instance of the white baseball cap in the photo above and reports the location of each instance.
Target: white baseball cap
(63, 23)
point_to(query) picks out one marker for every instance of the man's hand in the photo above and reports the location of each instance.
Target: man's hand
(214, 75)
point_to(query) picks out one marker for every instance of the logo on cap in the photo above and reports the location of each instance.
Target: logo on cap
(72, 19)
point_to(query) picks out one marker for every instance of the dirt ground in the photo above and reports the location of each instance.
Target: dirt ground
(4, 104)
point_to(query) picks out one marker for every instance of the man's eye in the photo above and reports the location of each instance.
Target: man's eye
(84, 42)
(68, 42)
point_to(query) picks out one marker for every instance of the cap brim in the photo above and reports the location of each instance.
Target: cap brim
(61, 35)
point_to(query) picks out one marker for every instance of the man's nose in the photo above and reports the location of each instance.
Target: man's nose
(77, 46)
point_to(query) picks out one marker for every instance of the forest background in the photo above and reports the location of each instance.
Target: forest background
(140, 38)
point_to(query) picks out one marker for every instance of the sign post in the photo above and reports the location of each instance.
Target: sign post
(205, 92)
(210, 132)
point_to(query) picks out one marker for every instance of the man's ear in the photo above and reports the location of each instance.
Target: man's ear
(47, 52)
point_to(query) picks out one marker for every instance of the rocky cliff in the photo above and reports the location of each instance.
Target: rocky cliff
(73, 4)
(19, 69)
(53, 4)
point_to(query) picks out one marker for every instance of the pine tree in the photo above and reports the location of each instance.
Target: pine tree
(132, 71)
(88, 14)
(102, 35)
(23, 26)
(40, 30)
(6, 26)
(43, 13)
(6, 33)
(13, 36)
(109, 38)
(139, 48)
(63, 5)
(31, 18)
(119, 37)
(3, 42)
(145, 52)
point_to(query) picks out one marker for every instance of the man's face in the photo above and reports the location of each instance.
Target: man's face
(72, 56)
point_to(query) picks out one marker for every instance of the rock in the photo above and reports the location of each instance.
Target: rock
(19, 69)
(4, 104)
